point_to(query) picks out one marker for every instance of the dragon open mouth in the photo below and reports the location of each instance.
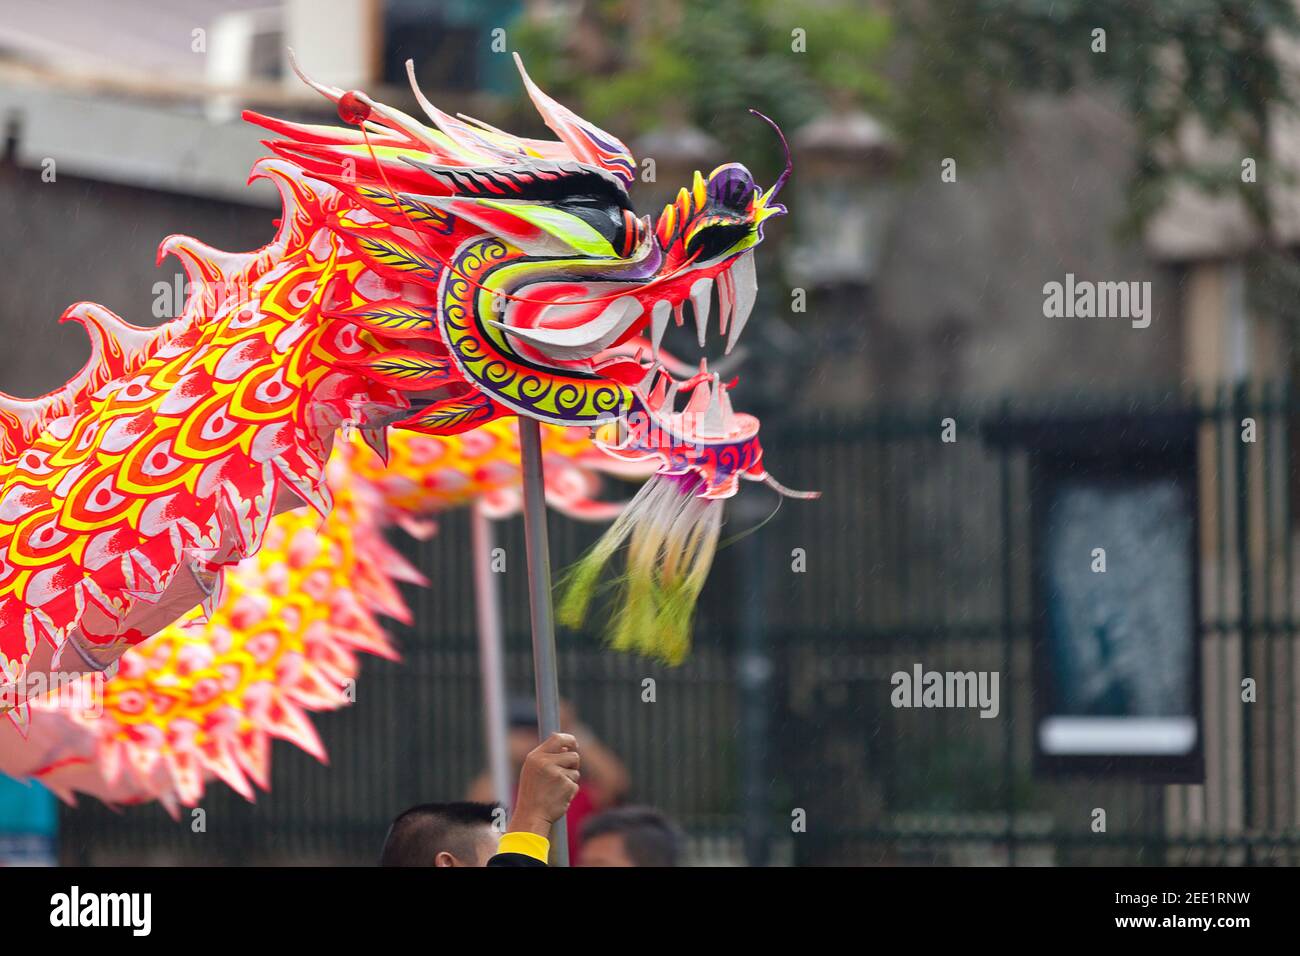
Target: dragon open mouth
(699, 407)
(689, 402)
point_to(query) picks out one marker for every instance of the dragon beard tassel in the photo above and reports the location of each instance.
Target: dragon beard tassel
(671, 537)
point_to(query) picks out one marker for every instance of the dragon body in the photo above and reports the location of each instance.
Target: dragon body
(206, 697)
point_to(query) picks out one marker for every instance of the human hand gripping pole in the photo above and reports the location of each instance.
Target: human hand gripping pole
(548, 783)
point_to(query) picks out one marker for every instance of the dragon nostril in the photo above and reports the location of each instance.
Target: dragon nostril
(716, 238)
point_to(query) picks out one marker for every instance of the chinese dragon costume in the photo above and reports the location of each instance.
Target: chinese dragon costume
(432, 278)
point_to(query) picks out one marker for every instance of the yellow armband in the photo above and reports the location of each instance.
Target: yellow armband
(529, 844)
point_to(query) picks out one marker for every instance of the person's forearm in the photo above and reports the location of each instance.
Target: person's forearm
(527, 820)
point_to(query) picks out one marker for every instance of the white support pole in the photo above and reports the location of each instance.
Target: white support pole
(491, 658)
(539, 601)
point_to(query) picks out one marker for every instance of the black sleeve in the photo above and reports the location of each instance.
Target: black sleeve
(514, 859)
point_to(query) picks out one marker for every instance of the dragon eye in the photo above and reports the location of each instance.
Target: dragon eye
(584, 192)
(604, 206)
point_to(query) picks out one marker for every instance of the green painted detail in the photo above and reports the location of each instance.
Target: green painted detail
(555, 222)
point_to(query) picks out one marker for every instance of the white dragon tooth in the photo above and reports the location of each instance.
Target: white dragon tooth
(712, 424)
(670, 398)
(699, 398)
(655, 397)
(726, 301)
(658, 323)
(649, 379)
(700, 296)
(745, 284)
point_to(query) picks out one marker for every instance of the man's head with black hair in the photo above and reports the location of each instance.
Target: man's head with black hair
(630, 836)
(442, 834)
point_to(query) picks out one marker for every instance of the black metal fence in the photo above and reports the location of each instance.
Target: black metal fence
(777, 741)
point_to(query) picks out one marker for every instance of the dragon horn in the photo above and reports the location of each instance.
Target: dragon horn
(789, 164)
(477, 149)
(331, 93)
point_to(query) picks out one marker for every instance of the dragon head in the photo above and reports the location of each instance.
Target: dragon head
(511, 276)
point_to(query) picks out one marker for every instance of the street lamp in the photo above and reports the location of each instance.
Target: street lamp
(842, 161)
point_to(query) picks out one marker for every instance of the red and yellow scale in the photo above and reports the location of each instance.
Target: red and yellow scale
(162, 461)
(204, 699)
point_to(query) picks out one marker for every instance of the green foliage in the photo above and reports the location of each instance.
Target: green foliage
(708, 63)
(940, 73)
(1212, 61)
